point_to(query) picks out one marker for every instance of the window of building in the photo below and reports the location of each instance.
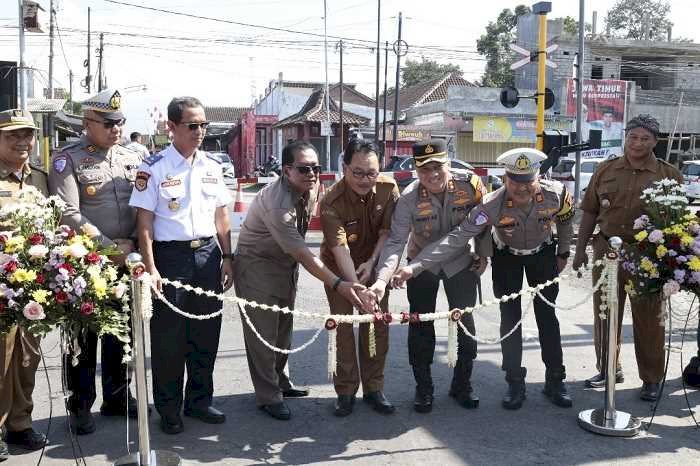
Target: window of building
(597, 72)
(649, 73)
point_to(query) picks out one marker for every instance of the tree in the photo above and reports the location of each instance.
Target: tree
(570, 26)
(494, 46)
(414, 71)
(629, 19)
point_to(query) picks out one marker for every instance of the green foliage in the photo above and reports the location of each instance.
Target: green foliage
(628, 19)
(414, 71)
(494, 46)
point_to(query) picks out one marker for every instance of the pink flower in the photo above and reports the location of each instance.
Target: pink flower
(93, 258)
(10, 267)
(87, 308)
(33, 311)
(656, 236)
(36, 238)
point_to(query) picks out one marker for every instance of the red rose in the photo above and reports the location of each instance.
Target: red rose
(2, 307)
(61, 297)
(40, 279)
(670, 262)
(92, 258)
(3, 238)
(675, 242)
(36, 238)
(87, 308)
(10, 267)
(67, 267)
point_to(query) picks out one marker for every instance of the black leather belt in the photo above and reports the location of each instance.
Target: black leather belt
(192, 244)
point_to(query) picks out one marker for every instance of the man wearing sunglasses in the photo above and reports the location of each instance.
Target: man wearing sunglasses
(270, 247)
(428, 209)
(95, 177)
(18, 361)
(356, 218)
(184, 235)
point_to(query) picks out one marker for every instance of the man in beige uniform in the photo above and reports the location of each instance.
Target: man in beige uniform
(428, 209)
(522, 213)
(356, 218)
(95, 177)
(612, 202)
(270, 247)
(18, 360)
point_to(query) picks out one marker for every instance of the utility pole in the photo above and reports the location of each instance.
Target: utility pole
(342, 136)
(386, 69)
(541, 9)
(328, 97)
(376, 87)
(579, 96)
(22, 80)
(50, 96)
(88, 78)
(398, 51)
(100, 51)
(70, 87)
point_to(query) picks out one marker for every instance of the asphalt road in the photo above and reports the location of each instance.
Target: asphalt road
(539, 433)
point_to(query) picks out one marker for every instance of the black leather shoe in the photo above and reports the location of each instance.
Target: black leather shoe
(171, 424)
(423, 402)
(4, 452)
(28, 439)
(515, 395)
(82, 422)
(295, 392)
(557, 393)
(598, 380)
(378, 402)
(465, 397)
(344, 405)
(278, 411)
(210, 415)
(649, 392)
(118, 409)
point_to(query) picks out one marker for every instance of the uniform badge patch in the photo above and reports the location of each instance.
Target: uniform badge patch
(424, 205)
(91, 148)
(141, 182)
(168, 183)
(424, 213)
(605, 203)
(210, 180)
(91, 190)
(59, 164)
(481, 218)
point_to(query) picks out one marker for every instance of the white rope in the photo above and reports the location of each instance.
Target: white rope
(274, 348)
(177, 310)
(571, 307)
(501, 338)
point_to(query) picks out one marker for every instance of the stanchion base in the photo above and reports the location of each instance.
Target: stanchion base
(622, 425)
(158, 458)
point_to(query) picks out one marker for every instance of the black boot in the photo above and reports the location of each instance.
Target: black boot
(423, 402)
(461, 387)
(515, 396)
(555, 387)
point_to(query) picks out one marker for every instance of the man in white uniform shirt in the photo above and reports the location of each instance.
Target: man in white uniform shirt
(182, 212)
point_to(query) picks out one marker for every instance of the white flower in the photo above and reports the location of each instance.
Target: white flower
(76, 250)
(671, 287)
(90, 230)
(38, 251)
(33, 311)
(119, 290)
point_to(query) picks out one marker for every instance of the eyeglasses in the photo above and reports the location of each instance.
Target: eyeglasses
(108, 124)
(359, 174)
(306, 169)
(19, 134)
(194, 126)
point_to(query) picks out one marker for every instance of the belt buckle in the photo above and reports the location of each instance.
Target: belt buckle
(195, 244)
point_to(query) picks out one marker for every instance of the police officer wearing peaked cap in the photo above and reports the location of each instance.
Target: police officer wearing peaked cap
(185, 235)
(95, 176)
(522, 214)
(428, 209)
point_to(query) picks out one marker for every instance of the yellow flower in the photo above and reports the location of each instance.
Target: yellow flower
(14, 244)
(686, 240)
(661, 251)
(629, 288)
(641, 236)
(646, 265)
(111, 273)
(100, 285)
(694, 264)
(40, 296)
(23, 275)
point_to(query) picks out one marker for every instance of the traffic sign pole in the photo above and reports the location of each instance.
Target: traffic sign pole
(541, 75)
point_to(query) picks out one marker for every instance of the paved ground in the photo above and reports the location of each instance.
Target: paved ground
(539, 433)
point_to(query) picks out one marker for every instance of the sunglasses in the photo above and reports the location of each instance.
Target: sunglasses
(306, 169)
(195, 126)
(108, 124)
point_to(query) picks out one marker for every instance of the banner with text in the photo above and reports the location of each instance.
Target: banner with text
(511, 129)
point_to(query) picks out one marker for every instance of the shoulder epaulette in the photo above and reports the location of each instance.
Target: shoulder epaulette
(68, 147)
(210, 156)
(38, 168)
(150, 161)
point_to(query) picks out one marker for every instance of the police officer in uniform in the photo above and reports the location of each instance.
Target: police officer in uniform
(18, 359)
(95, 177)
(182, 206)
(428, 209)
(270, 248)
(612, 202)
(356, 218)
(522, 213)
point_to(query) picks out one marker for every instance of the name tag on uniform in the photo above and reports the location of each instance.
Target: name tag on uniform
(5, 193)
(210, 180)
(169, 183)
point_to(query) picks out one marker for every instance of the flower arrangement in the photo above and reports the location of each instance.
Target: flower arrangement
(665, 256)
(52, 276)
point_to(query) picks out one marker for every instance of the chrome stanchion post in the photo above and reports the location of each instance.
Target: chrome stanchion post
(145, 456)
(609, 421)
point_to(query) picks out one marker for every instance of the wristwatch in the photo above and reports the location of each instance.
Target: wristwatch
(227, 256)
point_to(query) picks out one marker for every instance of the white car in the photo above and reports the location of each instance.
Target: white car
(566, 169)
(691, 177)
